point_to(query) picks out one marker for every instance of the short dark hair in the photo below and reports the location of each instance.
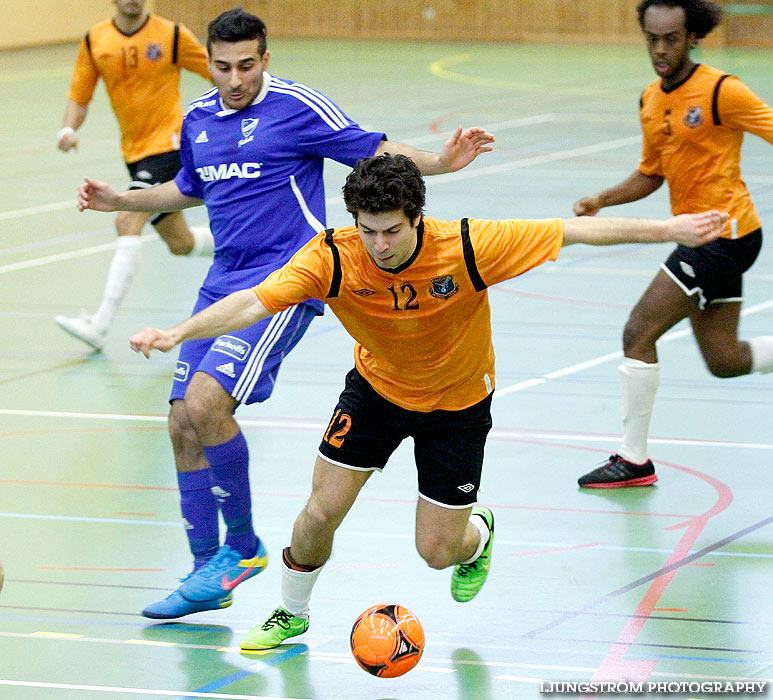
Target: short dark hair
(385, 183)
(236, 25)
(701, 16)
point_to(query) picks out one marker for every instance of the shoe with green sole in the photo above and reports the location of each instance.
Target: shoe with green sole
(468, 579)
(280, 626)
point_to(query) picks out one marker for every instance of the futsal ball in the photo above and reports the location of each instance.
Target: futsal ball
(387, 640)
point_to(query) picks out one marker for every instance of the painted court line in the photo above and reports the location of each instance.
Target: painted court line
(139, 691)
(496, 433)
(579, 367)
(436, 179)
(650, 577)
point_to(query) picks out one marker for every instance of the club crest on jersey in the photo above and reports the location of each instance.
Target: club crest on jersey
(230, 345)
(248, 127)
(154, 52)
(443, 287)
(694, 117)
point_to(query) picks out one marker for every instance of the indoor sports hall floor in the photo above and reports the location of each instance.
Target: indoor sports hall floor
(668, 583)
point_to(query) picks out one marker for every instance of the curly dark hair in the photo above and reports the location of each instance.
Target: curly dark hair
(236, 25)
(385, 183)
(701, 16)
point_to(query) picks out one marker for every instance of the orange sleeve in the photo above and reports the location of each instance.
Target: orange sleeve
(508, 248)
(307, 275)
(84, 76)
(191, 55)
(650, 160)
(740, 108)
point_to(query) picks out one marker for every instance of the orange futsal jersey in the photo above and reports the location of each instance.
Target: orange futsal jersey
(422, 331)
(692, 138)
(142, 77)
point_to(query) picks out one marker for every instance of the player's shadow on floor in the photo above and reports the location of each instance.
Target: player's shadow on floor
(472, 676)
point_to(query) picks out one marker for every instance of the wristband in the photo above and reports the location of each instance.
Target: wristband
(64, 131)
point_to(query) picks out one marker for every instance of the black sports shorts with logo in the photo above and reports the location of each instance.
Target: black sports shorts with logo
(714, 272)
(366, 429)
(154, 170)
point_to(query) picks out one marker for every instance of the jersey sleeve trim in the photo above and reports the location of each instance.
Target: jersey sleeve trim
(335, 282)
(175, 42)
(469, 258)
(715, 100)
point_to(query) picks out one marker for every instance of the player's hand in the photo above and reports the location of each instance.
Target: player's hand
(463, 147)
(587, 206)
(96, 195)
(693, 230)
(67, 142)
(152, 339)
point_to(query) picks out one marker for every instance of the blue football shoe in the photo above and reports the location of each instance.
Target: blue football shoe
(177, 605)
(221, 574)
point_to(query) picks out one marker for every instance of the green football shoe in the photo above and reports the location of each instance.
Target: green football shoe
(281, 625)
(468, 579)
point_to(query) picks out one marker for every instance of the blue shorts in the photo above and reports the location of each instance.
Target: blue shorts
(245, 363)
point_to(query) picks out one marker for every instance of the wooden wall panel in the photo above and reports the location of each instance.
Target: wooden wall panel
(600, 21)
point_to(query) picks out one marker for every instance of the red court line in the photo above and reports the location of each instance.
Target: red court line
(408, 501)
(615, 666)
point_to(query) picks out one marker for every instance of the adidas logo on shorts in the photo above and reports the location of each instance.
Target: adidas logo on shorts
(227, 369)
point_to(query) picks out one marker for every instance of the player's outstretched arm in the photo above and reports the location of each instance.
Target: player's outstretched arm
(74, 116)
(100, 196)
(459, 150)
(237, 310)
(691, 230)
(636, 186)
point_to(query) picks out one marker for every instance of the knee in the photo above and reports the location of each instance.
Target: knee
(725, 365)
(199, 407)
(634, 332)
(437, 553)
(180, 427)
(127, 223)
(321, 517)
(178, 247)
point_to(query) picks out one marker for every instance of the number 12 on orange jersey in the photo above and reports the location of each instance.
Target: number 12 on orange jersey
(339, 426)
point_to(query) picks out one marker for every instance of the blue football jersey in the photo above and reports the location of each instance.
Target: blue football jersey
(259, 172)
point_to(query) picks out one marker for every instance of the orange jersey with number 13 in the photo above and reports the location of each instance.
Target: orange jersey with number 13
(142, 77)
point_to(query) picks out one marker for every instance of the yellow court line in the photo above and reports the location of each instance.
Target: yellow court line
(440, 69)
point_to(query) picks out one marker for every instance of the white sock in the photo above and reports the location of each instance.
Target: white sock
(119, 277)
(639, 383)
(485, 534)
(296, 589)
(762, 353)
(203, 242)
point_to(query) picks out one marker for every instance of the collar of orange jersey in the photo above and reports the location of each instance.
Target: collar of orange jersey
(138, 29)
(416, 251)
(682, 81)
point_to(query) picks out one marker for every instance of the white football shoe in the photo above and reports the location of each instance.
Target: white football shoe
(82, 328)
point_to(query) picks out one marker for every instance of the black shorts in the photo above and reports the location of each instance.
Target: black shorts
(448, 445)
(154, 170)
(714, 272)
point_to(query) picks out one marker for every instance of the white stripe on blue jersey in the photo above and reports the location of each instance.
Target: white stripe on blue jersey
(327, 115)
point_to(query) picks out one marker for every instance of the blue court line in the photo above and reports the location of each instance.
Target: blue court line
(273, 660)
(716, 659)
(646, 579)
